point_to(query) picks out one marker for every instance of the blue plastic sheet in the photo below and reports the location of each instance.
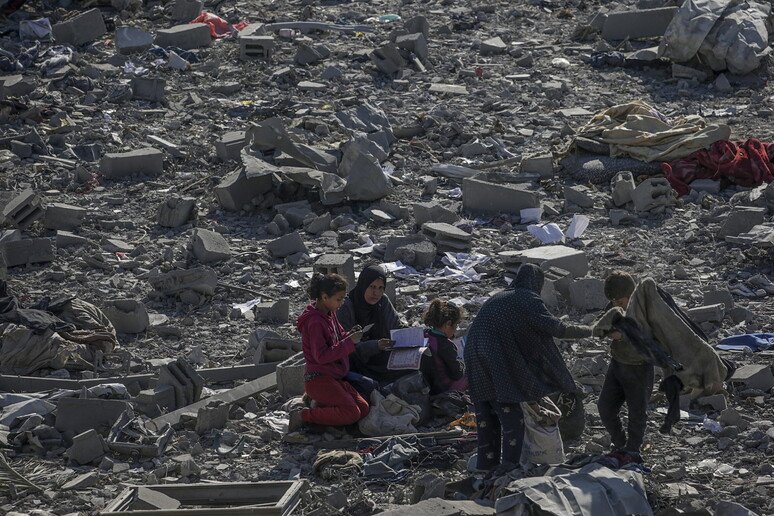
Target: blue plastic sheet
(754, 341)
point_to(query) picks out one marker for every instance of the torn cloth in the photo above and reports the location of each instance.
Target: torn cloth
(337, 463)
(389, 458)
(747, 163)
(219, 28)
(639, 131)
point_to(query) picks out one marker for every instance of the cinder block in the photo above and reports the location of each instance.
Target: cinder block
(622, 186)
(542, 164)
(579, 195)
(131, 39)
(415, 43)
(283, 246)
(387, 59)
(433, 212)
(709, 313)
(188, 36)
(148, 161)
(87, 447)
(209, 246)
(741, 220)
(267, 347)
(446, 237)
(236, 191)
(413, 250)
(588, 294)
(714, 296)
(176, 211)
(230, 145)
(756, 376)
(127, 315)
(187, 10)
(573, 260)
(278, 311)
(153, 401)
(493, 198)
(556, 281)
(309, 54)
(151, 89)
(341, 264)
(28, 250)
(211, 416)
(290, 376)
(654, 195)
(256, 47)
(81, 29)
(646, 23)
(24, 209)
(64, 216)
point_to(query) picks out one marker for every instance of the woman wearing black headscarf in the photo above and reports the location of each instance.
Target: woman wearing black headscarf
(366, 304)
(511, 357)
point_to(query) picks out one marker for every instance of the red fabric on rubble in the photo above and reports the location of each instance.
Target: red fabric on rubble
(219, 28)
(747, 163)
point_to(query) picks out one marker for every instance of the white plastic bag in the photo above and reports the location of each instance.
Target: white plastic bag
(542, 442)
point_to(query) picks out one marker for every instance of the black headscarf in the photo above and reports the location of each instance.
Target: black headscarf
(365, 313)
(529, 277)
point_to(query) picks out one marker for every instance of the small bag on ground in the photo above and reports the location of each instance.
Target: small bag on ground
(542, 439)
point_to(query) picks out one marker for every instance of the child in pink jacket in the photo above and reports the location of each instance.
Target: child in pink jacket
(326, 350)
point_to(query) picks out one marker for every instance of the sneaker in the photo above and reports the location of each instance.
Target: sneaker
(294, 421)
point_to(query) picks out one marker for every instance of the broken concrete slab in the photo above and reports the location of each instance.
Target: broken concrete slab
(493, 46)
(63, 216)
(579, 196)
(286, 245)
(482, 196)
(176, 211)
(433, 212)
(130, 40)
(761, 235)
(230, 145)
(16, 86)
(447, 237)
(82, 29)
(573, 260)
(148, 88)
(209, 246)
(236, 191)
(366, 181)
(415, 43)
(87, 447)
(588, 294)
(708, 313)
(754, 376)
(387, 59)
(642, 23)
(440, 507)
(76, 415)
(186, 10)
(212, 416)
(741, 220)
(147, 161)
(152, 500)
(714, 296)
(198, 279)
(127, 315)
(451, 89)
(28, 250)
(187, 37)
(276, 311)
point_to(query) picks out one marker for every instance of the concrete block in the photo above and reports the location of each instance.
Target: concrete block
(131, 39)
(188, 36)
(151, 89)
(24, 209)
(754, 376)
(290, 376)
(230, 145)
(16, 86)
(741, 220)
(146, 499)
(21, 149)
(309, 54)
(127, 315)
(65, 238)
(542, 164)
(708, 313)
(176, 211)
(28, 250)
(446, 237)
(211, 416)
(209, 246)
(493, 46)
(199, 279)
(256, 47)
(573, 260)
(266, 346)
(716, 401)
(319, 224)
(618, 217)
(63, 216)
(556, 281)
(275, 311)
(588, 294)
(147, 161)
(622, 186)
(187, 10)
(286, 245)
(87, 447)
(414, 250)
(82, 29)
(387, 59)
(341, 264)
(705, 185)
(654, 194)
(579, 195)
(77, 415)
(152, 402)
(236, 190)
(495, 198)
(82, 481)
(433, 212)
(414, 43)
(714, 296)
(185, 381)
(646, 23)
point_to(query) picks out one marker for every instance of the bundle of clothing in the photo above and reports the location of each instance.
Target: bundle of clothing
(65, 332)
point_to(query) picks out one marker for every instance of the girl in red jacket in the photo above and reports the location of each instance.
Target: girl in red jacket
(326, 349)
(442, 319)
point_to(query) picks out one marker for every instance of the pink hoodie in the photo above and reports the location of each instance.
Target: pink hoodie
(326, 350)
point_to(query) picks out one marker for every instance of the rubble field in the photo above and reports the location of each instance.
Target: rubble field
(185, 167)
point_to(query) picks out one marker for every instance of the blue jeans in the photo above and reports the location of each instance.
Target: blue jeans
(500, 433)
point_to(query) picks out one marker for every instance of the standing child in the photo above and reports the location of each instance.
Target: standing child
(448, 373)
(326, 350)
(629, 379)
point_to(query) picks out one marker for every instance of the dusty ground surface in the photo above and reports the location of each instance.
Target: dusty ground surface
(679, 250)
